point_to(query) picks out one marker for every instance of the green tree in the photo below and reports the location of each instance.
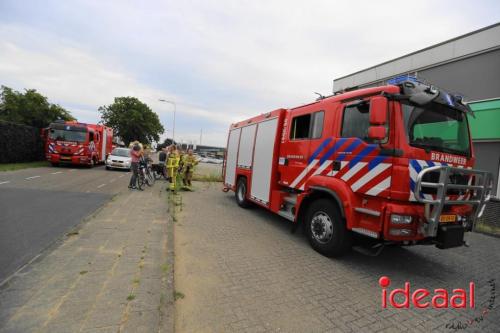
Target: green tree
(167, 142)
(132, 120)
(29, 108)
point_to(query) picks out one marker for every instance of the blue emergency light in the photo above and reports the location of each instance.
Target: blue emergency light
(402, 78)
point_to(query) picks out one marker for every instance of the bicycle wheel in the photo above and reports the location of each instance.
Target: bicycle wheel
(140, 180)
(151, 176)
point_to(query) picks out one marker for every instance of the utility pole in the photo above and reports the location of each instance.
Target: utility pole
(175, 109)
(201, 134)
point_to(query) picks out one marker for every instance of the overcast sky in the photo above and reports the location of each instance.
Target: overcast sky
(220, 61)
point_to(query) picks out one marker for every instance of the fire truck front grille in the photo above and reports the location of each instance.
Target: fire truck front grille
(458, 179)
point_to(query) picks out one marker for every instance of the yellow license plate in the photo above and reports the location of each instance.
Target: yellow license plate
(447, 218)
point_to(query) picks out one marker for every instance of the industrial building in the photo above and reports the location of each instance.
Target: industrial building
(468, 65)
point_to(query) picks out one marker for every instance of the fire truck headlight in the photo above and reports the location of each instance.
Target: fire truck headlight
(401, 219)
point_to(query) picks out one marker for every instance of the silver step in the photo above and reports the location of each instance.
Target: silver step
(292, 200)
(286, 214)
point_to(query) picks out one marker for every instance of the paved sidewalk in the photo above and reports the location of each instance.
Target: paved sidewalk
(111, 275)
(243, 271)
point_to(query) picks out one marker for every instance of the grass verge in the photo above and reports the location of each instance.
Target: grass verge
(25, 165)
(212, 177)
(488, 229)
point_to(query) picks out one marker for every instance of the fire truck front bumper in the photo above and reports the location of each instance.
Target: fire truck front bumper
(70, 159)
(407, 224)
(440, 218)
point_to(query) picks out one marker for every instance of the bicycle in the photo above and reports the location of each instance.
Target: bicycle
(159, 170)
(145, 173)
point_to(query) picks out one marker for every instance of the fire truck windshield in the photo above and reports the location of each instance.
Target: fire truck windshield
(437, 127)
(65, 135)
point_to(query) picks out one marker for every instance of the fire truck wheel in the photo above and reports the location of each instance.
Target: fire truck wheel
(326, 229)
(241, 193)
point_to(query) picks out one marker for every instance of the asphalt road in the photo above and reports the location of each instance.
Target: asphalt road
(39, 205)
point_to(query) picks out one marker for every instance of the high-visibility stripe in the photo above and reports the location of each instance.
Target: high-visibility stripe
(380, 187)
(322, 167)
(353, 170)
(319, 150)
(304, 173)
(332, 150)
(361, 155)
(369, 176)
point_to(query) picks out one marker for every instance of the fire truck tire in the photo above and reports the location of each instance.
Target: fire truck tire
(241, 193)
(326, 229)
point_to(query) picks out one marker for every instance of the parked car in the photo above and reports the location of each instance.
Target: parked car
(119, 159)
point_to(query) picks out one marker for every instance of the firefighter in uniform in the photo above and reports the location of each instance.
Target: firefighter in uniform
(189, 163)
(173, 166)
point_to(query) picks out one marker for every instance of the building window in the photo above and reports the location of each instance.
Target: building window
(308, 126)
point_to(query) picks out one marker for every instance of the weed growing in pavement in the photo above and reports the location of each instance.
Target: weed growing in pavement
(165, 268)
(72, 233)
(162, 301)
(178, 295)
(130, 297)
(174, 200)
(136, 281)
(83, 272)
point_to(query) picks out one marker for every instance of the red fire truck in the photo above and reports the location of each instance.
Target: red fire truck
(376, 166)
(78, 143)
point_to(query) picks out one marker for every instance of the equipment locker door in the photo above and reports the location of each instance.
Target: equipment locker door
(263, 160)
(231, 157)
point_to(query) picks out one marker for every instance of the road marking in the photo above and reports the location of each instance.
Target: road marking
(8, 181)
(32, 177)
(101, 185)
(55, 173)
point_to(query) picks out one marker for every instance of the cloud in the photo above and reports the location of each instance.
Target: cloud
(220, 61)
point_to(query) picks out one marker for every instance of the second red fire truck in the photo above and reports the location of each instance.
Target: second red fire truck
(71, 142)
(390, 164)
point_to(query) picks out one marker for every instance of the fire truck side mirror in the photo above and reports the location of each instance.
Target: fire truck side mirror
(378, 111)
(377, 133)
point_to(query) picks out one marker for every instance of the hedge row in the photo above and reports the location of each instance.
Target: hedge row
(20, 143)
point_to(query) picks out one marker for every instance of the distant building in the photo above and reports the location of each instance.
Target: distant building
(210, 151)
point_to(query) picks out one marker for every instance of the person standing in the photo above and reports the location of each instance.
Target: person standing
(162, 160)
(173, 166)
(190, 162)
(136, 154)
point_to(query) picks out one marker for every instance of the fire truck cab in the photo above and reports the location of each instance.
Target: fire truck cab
(392, 164)
(76, 143)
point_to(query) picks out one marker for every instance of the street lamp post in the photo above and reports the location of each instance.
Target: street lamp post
(175, 109)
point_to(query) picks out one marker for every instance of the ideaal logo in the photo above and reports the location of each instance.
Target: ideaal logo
(423, 298)
(440, 298)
